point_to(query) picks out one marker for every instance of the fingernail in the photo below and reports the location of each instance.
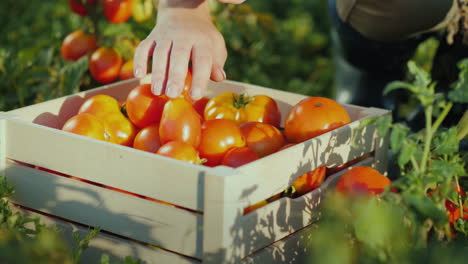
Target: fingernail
(195, 93)
(172, 91)
(138, 72)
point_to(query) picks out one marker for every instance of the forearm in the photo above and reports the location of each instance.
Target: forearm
(197, 7)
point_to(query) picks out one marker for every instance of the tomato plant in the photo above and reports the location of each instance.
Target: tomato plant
(148, 139)
(262, 138)
(180, 151)
(143, 107)
(180, 122)
(118, 11)
(312, 117)
(218, 136)
(77, 44)
(105, 64)
(238, 156)
(241, 108)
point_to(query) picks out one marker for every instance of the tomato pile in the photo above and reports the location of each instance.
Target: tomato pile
(228, 129)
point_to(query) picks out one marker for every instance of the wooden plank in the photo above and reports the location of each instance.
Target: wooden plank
(244, 234)
(117, 166)
(115, 247)
(147, 221)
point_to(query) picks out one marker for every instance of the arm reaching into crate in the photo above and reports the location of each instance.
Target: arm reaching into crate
(184, 32)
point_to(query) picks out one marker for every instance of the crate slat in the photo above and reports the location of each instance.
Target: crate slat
(147, 221)
(121, 167)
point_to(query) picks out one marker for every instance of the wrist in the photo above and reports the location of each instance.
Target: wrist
(200, 8)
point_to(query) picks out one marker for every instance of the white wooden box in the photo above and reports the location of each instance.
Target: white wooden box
(207, 225)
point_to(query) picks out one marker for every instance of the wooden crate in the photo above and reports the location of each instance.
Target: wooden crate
(207, 224)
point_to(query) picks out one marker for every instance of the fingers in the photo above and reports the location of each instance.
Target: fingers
(217, 70)
(201, 67)
(178, 66)
(159, 69)
(140, 60)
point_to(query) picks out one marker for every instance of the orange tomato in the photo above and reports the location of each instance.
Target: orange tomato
(362, 180)
(147, 139)
(87, 125)
(262, 138)
(241, 108)
(180, 122)
(104, 65)
(118, 11)
(310, 180)
(312, 117)
(77, 44)
(238, 156)
(126, 72)
(107, 109)
(218, 136)
(143, 107)
(180, 151)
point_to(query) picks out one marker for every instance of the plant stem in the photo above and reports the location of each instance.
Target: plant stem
(415, 164)
(428, 138)
(441, 117)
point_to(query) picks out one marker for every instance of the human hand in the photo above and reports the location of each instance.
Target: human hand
(182, 35)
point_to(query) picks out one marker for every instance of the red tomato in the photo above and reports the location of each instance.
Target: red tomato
(77, 44)
(310, 180)
(126, 72)
(238, 156)
(143, 107)
(262, 138)
(241, 108)
(218, 136)
(87, 125)
(180, 151)
(79, 8)
(147, 139)
(105, 64)
(362, 180)
(312, 117)
(200, 105)
(180, 122)
(118, 11)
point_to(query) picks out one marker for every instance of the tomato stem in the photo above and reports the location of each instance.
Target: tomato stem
(240, 101)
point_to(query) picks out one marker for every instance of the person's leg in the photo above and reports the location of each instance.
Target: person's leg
(363, 65)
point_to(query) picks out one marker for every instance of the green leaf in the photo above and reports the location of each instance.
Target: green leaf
(72, 75)
(459, 94)
(447, 169)
(397, 136)
(421, 77)
(383, 124)
(398, 85)
(446, 142)
(407, 151)
(426, 208)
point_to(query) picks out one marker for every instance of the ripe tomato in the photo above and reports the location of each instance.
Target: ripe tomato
(142, 10)
(310, 180)
(79, 8)
(118, 11)
(362, 179)
(107, 109)
(242, 109)
(200, 105)
(77, 44)
(453, 211)
(180, 151)
(143, 107)
(105, 64)
(147, 139)
(238, 156)
(312, 117)
(262, 138)
(87, 125)
(218, 136)
(126, 72)
(180, 122)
